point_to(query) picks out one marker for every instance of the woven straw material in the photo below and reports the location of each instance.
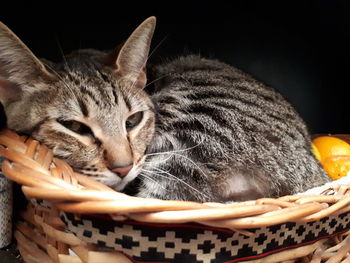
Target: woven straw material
(42, 238)
(5, 210)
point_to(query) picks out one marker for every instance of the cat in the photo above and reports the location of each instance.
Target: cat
(197, 129)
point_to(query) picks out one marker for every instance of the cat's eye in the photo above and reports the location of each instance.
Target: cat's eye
(78, 127)
(133, 120)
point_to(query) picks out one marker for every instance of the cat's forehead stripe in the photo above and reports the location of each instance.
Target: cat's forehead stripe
(127, 102)
(97, 84)
(83, 107)
(115, 96)
(87, 91)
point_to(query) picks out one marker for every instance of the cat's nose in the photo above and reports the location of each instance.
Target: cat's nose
(122, 171)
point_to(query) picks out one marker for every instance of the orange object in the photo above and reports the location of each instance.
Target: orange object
(334, 155)
(329, 146)
(337, 166)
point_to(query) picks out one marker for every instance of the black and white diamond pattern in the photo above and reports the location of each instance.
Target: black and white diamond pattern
(195, 243)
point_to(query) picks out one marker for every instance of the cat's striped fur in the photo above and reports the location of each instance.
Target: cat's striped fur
(226, 134)
(201, 130)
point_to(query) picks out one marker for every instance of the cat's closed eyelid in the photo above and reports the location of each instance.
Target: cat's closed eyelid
(79, 128)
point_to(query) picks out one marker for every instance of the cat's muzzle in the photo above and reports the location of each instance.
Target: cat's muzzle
(122, 171)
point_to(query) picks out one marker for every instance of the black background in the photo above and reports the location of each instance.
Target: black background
(299, 47)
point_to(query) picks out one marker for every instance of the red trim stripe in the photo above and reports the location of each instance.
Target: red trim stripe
(129, 222)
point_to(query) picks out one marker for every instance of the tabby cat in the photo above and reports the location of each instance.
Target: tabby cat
(200, 130)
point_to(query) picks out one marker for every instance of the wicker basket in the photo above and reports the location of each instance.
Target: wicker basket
(69, 218)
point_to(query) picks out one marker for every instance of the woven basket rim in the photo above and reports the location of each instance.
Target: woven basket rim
(43, 176)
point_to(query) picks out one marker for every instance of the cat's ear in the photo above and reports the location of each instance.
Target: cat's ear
(132, 56)
(18, 66)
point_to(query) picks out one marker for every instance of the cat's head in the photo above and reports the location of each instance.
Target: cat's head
(91, 110)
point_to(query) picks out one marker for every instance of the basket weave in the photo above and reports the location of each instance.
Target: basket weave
(43, 237)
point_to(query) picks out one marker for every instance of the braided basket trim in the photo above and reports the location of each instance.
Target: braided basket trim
(45, 177)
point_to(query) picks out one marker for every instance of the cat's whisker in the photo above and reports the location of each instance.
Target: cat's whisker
(196, 165)
(53, 71)
(150, 54)
(154, 181)
(157, 46)
(158, 160)
(179, 180)
(134, 95)
(59, 77)
(173, 177)
(155, 80)
(160, 175)
(62, 54)
(175, 151)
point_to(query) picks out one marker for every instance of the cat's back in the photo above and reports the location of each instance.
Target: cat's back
(222, 119)
(197, 73)
(194, 84)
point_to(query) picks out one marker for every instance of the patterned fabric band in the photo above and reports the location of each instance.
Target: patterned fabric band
(194, 243)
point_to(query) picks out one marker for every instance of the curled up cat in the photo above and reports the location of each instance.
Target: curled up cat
(187, 129)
